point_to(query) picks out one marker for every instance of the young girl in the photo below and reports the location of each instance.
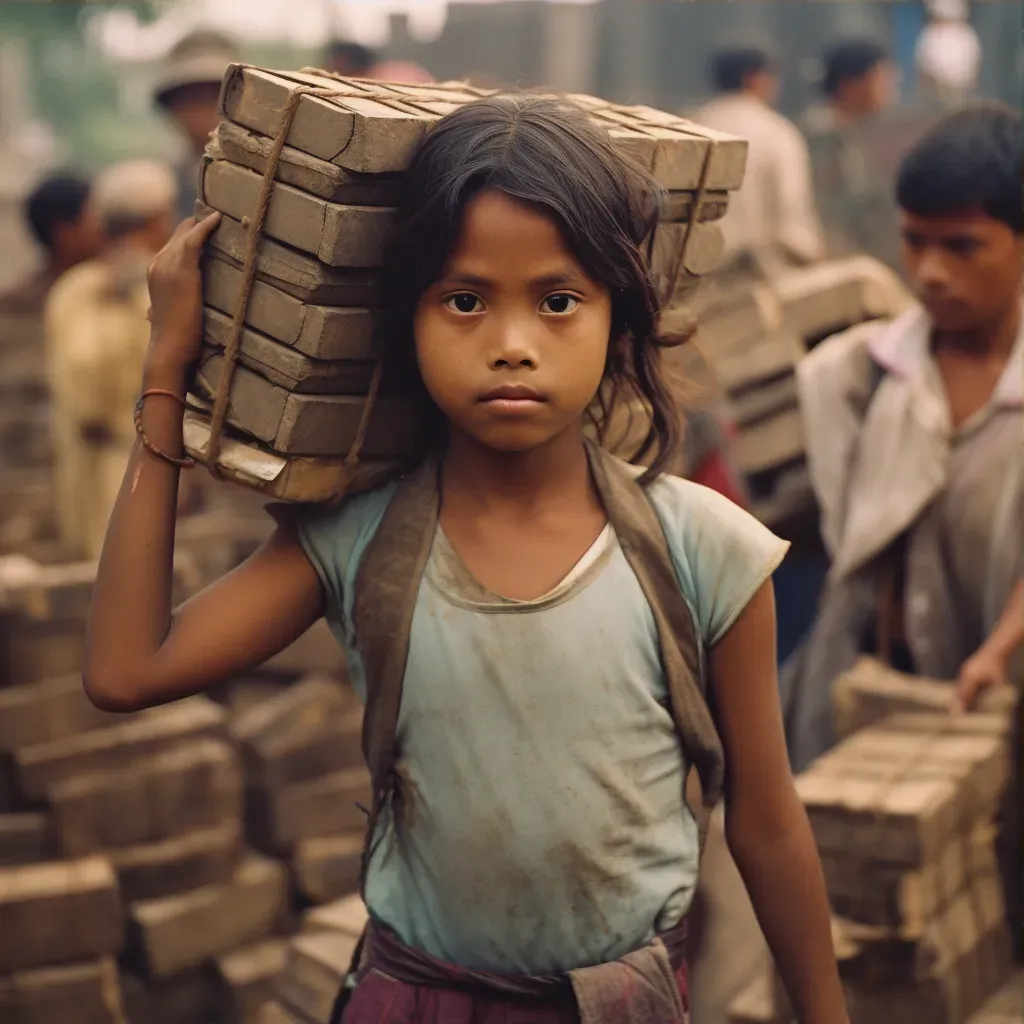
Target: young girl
(535, 858)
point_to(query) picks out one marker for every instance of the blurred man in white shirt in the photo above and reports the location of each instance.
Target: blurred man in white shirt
(773, 215)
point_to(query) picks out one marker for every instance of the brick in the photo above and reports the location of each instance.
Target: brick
(59, 912)
(179, 864)
(313, 976)
(871, 691)
(37, 651)
(47, 593)
(899, 796)
(87, 993)
(314, 425)
(347, 915)
(275, 1013)
(328, 868)
(246, 980)
(47, 711)
(340, 236)
(25, 838)
(889, 896)
(240, 695)
(174, 934)
(118, 746)
(310, 729)
(196, 784)
(323, 806)
(187, 998)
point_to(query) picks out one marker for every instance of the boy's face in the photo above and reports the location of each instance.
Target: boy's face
(872, 92)
(965, 268)
(512, 340)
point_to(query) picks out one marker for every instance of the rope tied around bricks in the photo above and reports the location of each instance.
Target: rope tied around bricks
(254, 234)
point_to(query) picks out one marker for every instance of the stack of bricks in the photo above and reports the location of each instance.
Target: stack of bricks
(903, 812)
(305, 782)
(316, 964)
(44, 609)
(43, 613)
(26, 454)
(753, 336)
(123, 834)
(308, 347)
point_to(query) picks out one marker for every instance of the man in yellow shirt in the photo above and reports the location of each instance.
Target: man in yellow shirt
(96, 339)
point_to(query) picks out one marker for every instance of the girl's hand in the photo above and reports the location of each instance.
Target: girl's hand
(176, 296)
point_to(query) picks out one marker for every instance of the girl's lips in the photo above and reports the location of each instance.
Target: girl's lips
(512, 393)
(513, 405)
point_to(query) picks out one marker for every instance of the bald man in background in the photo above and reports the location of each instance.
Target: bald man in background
(96, 340)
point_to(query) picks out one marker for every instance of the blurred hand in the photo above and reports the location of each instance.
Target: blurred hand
(980, 673)
(176, 295)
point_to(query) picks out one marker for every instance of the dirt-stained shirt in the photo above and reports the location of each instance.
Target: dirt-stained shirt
(544, 827)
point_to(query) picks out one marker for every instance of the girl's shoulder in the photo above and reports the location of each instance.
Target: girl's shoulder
(334, 536)
(721, 553)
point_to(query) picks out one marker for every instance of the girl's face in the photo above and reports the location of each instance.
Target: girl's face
(512, 340)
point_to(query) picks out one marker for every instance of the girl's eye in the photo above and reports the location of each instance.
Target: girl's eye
(560, 304)
(464, 302)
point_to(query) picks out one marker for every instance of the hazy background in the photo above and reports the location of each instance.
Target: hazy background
(75, 77)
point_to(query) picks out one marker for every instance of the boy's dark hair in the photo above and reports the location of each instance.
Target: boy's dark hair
(849, 60)
(971, 160)
(360, 59)
(731, 68)
(547, 153)
(56, 200)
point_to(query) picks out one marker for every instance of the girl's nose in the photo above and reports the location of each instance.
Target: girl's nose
(514, 348)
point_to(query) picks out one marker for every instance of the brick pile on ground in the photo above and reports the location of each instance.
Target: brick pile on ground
(904, 813)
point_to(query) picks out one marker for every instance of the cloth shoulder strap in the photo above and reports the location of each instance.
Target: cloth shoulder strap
(642, 539)
(387, 585)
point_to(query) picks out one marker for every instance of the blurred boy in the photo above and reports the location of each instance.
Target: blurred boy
(853, 191)
(913, 435)
(68, 231)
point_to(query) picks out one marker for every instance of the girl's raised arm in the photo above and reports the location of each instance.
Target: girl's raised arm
(138, 653)
(766, 826)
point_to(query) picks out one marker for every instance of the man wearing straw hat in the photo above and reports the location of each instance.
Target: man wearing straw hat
(97, 335)
(187, 90)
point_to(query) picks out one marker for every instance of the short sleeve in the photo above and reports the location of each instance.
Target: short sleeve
(334, 539)
(722, 554)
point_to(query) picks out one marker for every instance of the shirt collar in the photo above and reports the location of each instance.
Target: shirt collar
(903, 348)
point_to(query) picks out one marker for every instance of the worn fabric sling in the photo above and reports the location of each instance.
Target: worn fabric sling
(387, 585)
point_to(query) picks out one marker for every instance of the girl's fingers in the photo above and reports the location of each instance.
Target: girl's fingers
(201, 230)
(183, 228)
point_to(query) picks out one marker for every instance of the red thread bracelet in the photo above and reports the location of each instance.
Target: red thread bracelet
(182, 462)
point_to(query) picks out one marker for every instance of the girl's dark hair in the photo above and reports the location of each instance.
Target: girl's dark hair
(972, 159)
(548, 153)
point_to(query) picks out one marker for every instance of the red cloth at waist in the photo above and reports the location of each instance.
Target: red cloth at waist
(400, 985)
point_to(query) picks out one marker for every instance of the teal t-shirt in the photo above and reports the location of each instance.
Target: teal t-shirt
(544, 826)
